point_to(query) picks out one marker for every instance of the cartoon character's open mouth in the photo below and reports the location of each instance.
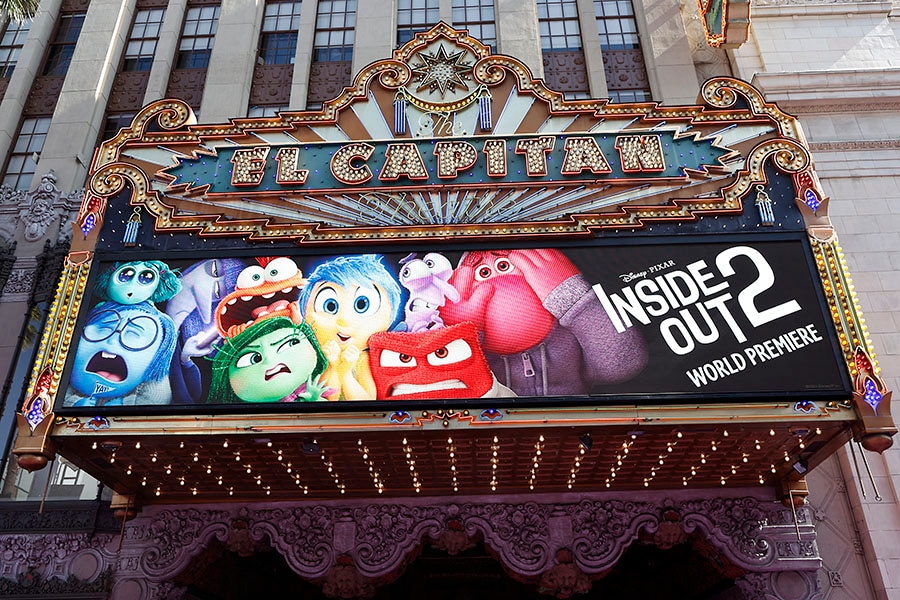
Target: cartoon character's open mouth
(403, 389)
(344, 338)
(279, 369)
(109, 366)
(240, 309)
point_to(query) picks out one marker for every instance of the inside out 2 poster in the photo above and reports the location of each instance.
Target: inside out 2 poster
(654, 322)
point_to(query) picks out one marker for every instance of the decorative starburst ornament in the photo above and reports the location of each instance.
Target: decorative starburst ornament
(442, 72)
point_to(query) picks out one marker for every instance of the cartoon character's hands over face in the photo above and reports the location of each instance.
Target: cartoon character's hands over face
(544, 269)
(474, 298)
(200, 344)
(332, 351)
(349, 357)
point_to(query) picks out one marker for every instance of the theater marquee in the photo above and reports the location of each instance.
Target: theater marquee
(450, 243)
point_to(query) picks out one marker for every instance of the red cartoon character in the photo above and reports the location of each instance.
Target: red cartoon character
(543, 329)
(432, 364)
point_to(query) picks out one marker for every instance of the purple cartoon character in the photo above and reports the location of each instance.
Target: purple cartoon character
(427, 280)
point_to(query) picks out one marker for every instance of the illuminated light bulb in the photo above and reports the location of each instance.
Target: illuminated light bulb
(818, 431)
(94, 446)
(679, 435)
(137, 445)
(225, 444)
(725, 433)
(772, 432)
(181, 444)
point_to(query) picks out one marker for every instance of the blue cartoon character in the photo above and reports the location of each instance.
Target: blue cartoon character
(273, 360)
(138, 281)
(122, 357)
(346, 300)
(427, 280)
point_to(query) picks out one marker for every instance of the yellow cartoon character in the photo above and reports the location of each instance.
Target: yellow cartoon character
(345, 301)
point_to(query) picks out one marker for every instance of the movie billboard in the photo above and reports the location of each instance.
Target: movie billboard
(593, 323)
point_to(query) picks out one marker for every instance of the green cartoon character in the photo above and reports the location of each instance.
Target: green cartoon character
(274, 360)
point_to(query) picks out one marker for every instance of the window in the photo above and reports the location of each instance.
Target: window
(21, 167)
(558, 22)
(335, 22)
(62, 47)
(266, 111)
(623, 61)
(197, 37)
(115, 122)
(416, 15)
(563, 56)
(142, 43)
(278, 42)
(10, 46)
(478, 17)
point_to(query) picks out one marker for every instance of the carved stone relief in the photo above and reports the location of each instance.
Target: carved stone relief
(352, 548)
(566, 71)
(44, 213)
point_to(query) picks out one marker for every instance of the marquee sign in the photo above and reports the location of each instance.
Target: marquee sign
(505, 325)
(450, 232)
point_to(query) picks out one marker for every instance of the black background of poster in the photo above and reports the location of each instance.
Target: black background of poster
(814, 371)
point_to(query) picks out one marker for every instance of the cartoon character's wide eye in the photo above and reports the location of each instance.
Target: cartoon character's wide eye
(250, 277)
(454, 352)
(280, 269)
(503, 265)
(390, 358)
(326, 301)
(366, 301)
(147, 277)
(437, 262)
(246, 360)
(483, 273)
(125, 275)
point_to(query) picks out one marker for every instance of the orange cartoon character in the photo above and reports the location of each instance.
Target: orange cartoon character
(269, 289)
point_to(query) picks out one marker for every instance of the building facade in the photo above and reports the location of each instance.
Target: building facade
(79, 71)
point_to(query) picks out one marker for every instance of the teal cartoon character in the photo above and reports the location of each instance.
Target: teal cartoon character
(273, 360)
(138, 281)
